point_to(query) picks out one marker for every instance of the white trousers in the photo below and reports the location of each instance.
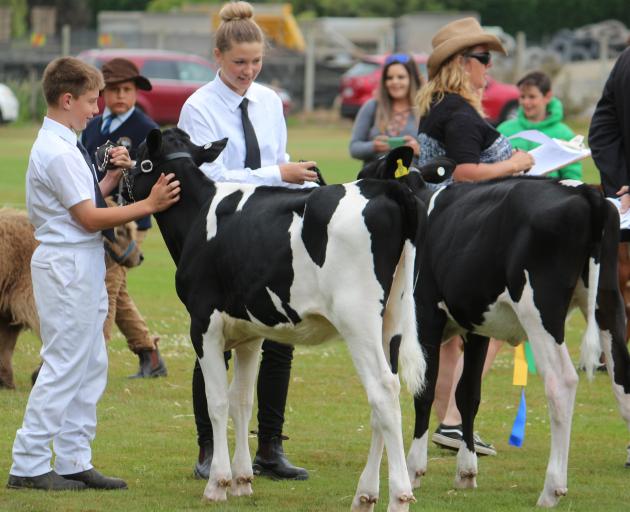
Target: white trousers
(71, 299)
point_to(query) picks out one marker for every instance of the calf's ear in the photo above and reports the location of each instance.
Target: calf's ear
(154, 141)
(403, 153)
(209, 152)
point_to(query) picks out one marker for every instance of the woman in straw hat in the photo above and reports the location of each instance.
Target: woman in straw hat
(452, 124)
(452, 121)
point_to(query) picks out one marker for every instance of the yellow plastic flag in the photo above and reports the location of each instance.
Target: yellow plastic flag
(520, 366)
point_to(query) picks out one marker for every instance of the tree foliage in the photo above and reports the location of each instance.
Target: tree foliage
(537, 18)
(18, 16)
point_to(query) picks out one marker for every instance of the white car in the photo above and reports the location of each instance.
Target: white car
(9, 105)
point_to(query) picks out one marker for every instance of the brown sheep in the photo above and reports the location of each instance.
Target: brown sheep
(17, 304)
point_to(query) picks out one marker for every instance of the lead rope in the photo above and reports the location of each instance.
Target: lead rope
(125, 175)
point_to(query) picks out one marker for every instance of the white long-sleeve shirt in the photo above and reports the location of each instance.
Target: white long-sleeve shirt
(212, 113)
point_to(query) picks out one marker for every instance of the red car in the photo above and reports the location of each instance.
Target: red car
(359, 83)
(174, 76)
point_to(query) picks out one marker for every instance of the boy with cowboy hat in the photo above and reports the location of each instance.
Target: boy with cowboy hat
(121, 122)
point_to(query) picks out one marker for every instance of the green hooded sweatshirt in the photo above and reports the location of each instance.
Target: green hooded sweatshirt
(552, 126)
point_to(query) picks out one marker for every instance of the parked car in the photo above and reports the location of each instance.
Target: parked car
(174, 76)
(359, 83)
(9, 105)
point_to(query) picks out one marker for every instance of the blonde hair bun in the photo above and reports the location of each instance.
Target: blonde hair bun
(233, 11)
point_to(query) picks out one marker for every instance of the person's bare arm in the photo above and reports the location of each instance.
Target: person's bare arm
(164, 194)
(519, 161)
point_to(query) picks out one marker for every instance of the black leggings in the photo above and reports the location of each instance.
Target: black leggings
(272, 389)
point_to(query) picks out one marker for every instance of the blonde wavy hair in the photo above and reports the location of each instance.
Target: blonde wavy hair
(451, 78)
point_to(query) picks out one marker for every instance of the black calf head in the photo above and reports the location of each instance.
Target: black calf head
(384, 168)
(168, 152)
(436, 171)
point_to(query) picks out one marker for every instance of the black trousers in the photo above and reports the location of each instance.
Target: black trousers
(272, 389)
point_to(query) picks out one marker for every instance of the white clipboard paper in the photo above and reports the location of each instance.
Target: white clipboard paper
(624, 218)
(552, 154)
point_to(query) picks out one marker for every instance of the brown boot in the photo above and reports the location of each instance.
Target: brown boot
(151, 364)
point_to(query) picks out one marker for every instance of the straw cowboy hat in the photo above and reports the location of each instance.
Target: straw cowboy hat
(457, 36)
(122, 70)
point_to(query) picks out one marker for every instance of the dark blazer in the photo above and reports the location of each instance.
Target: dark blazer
(131, 134)
(609, 134)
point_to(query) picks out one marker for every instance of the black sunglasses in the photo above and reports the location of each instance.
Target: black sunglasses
(483, 57)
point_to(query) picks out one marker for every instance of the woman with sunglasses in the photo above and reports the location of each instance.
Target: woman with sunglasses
(388, 120)
(452, 124)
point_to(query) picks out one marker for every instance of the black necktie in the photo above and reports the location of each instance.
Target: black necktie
(100, 202)
(252, 151)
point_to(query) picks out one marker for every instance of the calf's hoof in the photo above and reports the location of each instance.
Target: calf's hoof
(216, 491)
(242, 486)
(550, 499)
(466, 480)
(416, 476)
(364, 503)
(401, 504)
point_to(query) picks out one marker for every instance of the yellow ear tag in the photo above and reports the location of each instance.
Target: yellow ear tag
(401, 170)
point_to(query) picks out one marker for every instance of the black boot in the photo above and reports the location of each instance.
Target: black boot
(95, 480)
(201, 470)
(151, 365)
(50, 481)
(271, 461)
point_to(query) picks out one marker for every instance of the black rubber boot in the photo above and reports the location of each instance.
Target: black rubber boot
(95, 480)
(151, 365)
(271, 461)
(201, 470)
(50, 481)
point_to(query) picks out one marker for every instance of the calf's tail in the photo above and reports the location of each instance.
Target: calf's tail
(412, 361)
(590, 348)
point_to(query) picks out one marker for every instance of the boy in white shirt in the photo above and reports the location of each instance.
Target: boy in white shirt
(64, 203)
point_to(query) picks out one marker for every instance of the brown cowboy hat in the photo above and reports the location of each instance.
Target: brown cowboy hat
(122, 70)
(457, 36)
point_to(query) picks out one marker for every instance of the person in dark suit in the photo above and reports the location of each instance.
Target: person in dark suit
(609, 135)
(124, 123)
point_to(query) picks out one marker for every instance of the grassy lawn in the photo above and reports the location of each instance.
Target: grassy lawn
(146, 430)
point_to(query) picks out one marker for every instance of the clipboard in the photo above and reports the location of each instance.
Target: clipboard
(552, 154)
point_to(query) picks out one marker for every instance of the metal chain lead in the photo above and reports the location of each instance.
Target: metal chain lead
(125, 176)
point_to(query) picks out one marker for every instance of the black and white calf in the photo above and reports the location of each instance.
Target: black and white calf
(509, 258)
(296, 266)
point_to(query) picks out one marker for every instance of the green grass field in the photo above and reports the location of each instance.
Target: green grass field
(146, 430)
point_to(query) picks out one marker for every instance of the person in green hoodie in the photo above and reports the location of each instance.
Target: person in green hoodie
(540, 110)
